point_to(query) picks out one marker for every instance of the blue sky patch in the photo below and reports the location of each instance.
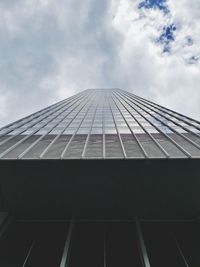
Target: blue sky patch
(156, 4)
(167, 37)
(167, 34)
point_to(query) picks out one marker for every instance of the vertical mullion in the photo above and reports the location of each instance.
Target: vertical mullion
(58, 135)
(104, 247)
(138, 142)
(28, 254)
(173, 130)
(41, 112)
(120, 140)
(141, 244)
(69, 142)
(149, 134)
(30, 126)
(171, 114)
(36, 115)
(169, 110)
(181, 253)
(103, 122)
(66, 250)
(53, 127)
(88, 136)
(31, 134)
(168, 137)
(186, 138)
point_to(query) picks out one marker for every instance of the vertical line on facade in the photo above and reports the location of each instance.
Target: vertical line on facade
(118, 134)
(28, 254)
(72, 137)
(66, 251)
(42, 136)
(151, 137)
(171, 128)
(138, 142)
(40, 113)
(58, 135)
(141, 244)
(168, 137)
(89, 133)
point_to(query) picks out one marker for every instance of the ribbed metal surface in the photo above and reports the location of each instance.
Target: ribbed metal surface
(102, 123)
(100, 243)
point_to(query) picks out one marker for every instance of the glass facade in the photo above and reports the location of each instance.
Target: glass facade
(112, 122)
(60, 213)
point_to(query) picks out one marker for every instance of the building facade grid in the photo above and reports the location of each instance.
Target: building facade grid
(102, 123)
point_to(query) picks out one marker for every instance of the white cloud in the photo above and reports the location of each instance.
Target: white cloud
(52, 49)
(167, 79)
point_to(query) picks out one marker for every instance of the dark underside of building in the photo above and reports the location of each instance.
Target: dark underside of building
(104, 178)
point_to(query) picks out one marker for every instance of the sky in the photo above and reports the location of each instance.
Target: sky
(52, 49)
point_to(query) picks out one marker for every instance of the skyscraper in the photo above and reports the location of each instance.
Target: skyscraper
(102, 124)
(105, 160)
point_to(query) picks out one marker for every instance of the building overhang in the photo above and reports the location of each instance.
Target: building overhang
(109, 189)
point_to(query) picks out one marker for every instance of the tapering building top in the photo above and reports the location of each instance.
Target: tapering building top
(102, 123)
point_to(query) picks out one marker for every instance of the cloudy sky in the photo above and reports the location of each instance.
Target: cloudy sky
(51, 49)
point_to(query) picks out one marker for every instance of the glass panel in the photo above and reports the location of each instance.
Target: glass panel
(94, 146)
(57, 148)
(131, 146)
(113, 146)
(35, 152)
(150, 146)
(76, 146)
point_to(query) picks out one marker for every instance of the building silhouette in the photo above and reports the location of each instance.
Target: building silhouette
(103, 178)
